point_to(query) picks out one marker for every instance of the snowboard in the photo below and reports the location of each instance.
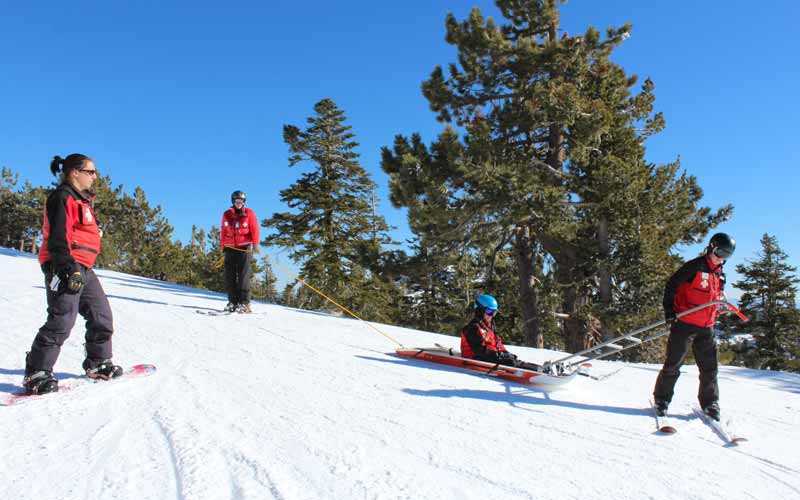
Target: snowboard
(142, 370)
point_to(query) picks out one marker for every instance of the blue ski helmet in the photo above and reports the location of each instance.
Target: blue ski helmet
(484, 302)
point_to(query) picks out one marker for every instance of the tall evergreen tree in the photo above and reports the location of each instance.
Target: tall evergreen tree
(334, 232)
(769, 300)
(551, 162)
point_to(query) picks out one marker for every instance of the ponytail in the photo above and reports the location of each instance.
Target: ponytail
(55, 165)
(65, 165)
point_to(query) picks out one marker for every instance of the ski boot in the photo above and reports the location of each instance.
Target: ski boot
(40, 382)
(661, 407)
(244, 308)
(712, 411)
(104, 370)
(231, 307)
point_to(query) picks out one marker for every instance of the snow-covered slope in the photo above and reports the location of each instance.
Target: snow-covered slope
(287, 404)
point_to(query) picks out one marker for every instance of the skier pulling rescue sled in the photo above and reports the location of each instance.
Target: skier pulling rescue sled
(697, 281)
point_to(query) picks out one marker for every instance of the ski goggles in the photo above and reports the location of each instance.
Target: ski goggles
(722, 253)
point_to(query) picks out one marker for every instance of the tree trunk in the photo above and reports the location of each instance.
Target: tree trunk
(604, 272)
(574, 296)
(577, 327)
(524, 249)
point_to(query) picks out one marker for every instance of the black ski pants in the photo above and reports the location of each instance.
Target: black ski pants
(681, 336)
(237, 275)
(62, 311)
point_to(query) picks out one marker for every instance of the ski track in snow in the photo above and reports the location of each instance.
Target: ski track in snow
(290, 405)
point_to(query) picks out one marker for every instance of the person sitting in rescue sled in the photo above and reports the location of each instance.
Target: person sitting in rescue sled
(480, 341)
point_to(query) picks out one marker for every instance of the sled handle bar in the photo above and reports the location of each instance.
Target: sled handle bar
(650, 327)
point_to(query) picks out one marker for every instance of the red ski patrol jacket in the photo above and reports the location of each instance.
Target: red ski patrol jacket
(70, 230)
(479, 341)
(694, 284)
(239, 230)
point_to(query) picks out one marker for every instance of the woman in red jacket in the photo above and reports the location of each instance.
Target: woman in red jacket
(697, 282)
(70, 245)
(238, 239)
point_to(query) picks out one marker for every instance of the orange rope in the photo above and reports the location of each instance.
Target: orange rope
(348, 311)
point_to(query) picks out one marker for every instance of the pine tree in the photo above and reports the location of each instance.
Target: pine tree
(109, 211)
(265, 283)
(550, 164)
(30, 213)
(211, 269)
(334, 232)
(11, 227)
(770, 289)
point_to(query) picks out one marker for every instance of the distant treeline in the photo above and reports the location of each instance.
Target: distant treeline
(537, 191)
(137, 238)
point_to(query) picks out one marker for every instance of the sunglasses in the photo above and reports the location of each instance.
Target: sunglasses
(88, 171)
(489, 312)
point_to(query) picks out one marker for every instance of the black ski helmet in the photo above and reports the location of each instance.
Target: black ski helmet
(238, 194)
(722, 245)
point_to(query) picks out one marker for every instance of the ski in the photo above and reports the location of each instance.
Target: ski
(597, 377)
(142, 370)
(723, 430)
(663, 424)
(214, 312)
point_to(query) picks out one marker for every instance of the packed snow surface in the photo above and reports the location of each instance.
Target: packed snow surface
(289, 404)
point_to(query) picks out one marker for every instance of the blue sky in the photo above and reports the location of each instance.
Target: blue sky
(188, 99)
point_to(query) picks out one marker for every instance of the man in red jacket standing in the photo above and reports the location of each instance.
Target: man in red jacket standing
(697, 282)
(238, 239)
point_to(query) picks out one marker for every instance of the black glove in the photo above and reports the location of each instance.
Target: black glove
(71, 279)
(669, 318)
(490, 356)
(506, 356)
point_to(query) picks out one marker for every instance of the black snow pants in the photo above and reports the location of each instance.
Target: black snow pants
(237, 275)
(705, 353)
(62, 310)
